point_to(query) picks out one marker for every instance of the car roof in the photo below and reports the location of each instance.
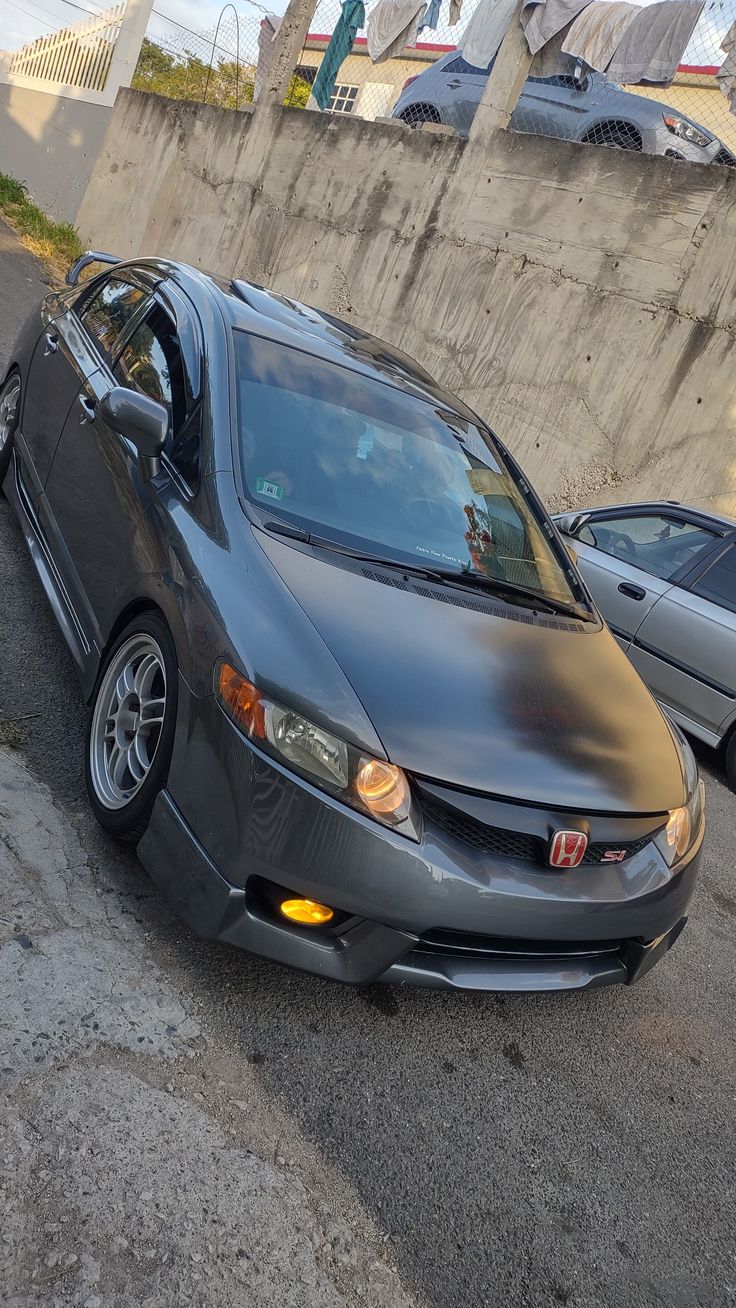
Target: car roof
(249, 307)
(662, 506)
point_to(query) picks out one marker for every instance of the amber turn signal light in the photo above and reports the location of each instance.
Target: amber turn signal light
(242, 701)
(306, 911)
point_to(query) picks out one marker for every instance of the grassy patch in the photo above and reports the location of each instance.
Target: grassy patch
(57, 243)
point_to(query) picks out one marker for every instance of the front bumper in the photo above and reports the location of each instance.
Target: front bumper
(435, 913)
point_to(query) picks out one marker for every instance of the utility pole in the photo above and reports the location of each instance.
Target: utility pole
(286, 48)
(504, 85)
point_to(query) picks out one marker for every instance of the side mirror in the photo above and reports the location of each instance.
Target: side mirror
(142, 421)
(570, 523)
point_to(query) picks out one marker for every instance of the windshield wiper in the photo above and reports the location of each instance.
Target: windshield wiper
(324, 542)
(466, 577)
(454, 576)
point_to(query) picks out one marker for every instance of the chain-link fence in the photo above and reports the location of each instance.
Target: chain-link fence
(431, 81)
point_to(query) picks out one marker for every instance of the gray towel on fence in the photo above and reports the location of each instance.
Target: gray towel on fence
(542, 21)
(726, 75)
(486, 31)
(655, 42)
(598, 31)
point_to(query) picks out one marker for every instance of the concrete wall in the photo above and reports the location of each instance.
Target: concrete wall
(582, 299)
(50, 142)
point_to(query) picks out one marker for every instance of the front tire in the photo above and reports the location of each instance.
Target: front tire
(130, 736)
(9, 414)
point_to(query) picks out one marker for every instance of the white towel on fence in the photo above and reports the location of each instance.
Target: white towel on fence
(486, 31)
(392, 25)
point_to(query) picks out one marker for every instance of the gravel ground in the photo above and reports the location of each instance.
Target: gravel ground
(543, 1150)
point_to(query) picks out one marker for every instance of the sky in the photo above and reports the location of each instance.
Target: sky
(24, 20)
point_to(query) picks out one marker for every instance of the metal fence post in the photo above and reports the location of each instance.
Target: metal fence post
(505, 83)
(287, 46)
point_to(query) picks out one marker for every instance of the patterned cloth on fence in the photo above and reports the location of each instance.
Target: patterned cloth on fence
(727, 73)
(543, 19)
(655, 42)
(597, 32)
(486, 31)
(352, 16)
(392, 25)
(431, 16)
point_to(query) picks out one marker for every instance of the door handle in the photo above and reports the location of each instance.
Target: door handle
(633, 592)
(88, 408)
(52, 344)
(455, 83)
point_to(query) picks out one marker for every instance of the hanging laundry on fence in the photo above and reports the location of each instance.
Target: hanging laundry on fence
(431, 16)
(726, 75)
(485, 31)
(542, 20)
(456, 7)
(392, 25)
(597, 32)
(655, 42)
(352, 17)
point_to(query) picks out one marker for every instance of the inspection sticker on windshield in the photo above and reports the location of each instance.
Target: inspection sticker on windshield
(270, 489)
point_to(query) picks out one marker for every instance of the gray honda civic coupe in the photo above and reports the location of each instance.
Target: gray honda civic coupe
(349, 694)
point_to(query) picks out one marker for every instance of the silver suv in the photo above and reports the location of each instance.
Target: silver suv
(576, 107)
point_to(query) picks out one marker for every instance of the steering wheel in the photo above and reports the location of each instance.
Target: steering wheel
(424, 513)
(628, 545)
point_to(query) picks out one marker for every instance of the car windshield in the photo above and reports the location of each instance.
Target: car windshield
(353, 459)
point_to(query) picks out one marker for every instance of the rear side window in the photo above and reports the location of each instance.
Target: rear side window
(109, 311)
(460, 65)
(655, 543)
(718, 583)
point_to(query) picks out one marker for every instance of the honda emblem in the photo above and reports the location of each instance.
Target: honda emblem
(567, 848)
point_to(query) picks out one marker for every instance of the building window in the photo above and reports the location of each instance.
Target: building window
(343, 99)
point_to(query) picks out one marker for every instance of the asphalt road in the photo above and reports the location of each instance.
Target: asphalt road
(575, 1149)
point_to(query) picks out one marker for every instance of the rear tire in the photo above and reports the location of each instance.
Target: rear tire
(130, 736)
(9, 414)
(416, 114)
(730, 760)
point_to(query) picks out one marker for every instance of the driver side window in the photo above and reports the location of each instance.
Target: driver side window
(151, 362)
(653, 542)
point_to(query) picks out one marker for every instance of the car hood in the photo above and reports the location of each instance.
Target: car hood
(501, 705)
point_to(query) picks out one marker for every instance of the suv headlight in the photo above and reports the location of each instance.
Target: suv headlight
(371, 785)
(686, 130)
(683, 828)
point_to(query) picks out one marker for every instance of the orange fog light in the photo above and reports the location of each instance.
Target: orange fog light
(306, 911)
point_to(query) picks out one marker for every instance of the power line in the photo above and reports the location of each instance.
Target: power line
(35, 17)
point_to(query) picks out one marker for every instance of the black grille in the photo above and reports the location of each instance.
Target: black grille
(487, 840)
(724, 156)
(453, 943)
(516, 844)
(595, 852)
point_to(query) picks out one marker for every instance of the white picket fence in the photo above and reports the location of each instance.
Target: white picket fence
(79, 56)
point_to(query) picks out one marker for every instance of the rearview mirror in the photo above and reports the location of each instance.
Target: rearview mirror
(142, 421)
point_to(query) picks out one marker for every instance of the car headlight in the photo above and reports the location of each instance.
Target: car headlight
(371, 785)
(687, 131)
(683, 828)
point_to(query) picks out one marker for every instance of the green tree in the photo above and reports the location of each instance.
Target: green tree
(187, 77)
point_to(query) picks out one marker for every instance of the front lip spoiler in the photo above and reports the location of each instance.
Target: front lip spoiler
(445, 972)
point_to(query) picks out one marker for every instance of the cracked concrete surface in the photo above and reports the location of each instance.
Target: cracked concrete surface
(139, 1167)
